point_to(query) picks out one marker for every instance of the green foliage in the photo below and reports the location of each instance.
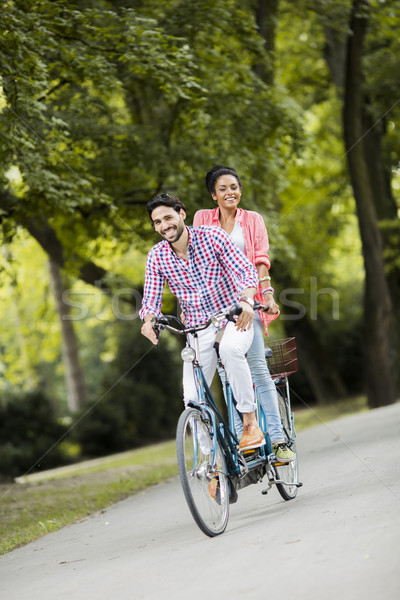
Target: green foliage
(140, 397)
(117, 102)
(30, 432)
(28, 320)
(103, 103)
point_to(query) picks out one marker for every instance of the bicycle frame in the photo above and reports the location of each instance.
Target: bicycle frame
(238, 468)
(243, 468)
(224, 434)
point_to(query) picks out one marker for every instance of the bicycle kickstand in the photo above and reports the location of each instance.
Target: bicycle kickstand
(271, 481)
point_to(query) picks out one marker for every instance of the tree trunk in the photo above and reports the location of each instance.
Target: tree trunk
(377, 302)
(74, 378)
(322, 374)
(387, 214)
(266, 19)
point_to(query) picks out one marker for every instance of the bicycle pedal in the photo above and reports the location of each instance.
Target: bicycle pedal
(250, 454)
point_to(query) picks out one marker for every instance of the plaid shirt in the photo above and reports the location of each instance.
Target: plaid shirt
(212, 278)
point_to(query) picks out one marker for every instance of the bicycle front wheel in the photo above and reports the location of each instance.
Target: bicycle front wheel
(287, 472)
(206, 490)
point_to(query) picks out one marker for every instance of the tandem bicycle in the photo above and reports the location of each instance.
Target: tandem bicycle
(211, 467)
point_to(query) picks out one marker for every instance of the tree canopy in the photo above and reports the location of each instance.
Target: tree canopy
(104, 103)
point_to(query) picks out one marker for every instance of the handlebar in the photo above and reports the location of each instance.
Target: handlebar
(162, 323)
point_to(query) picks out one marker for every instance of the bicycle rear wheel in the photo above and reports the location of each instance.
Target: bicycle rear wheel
(206, 492)
(288, 472)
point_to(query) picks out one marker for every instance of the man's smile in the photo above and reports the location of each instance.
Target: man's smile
(169, 231)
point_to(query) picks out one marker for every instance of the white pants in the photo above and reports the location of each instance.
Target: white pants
(232, 350)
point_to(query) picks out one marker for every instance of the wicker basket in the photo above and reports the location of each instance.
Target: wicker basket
(283, 361)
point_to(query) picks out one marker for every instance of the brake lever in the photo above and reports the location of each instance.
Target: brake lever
(161, 321)
(156, 330)
(234, 311)
(258, 306)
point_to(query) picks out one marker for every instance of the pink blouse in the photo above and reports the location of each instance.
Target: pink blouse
(256, 239)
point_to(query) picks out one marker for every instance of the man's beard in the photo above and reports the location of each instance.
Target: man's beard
(179, 230)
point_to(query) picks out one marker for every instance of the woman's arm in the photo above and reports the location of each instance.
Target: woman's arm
(259, 239)
(261, 247)
(268, 297)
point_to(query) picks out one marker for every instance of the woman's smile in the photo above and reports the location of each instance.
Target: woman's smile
(227, 192)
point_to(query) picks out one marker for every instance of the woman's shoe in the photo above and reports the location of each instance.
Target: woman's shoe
(283, 453)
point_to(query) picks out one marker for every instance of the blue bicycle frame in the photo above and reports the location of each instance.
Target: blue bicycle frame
(225, 431)
(211, 412)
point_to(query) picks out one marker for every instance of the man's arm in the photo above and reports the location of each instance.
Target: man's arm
(245, 319)
(152, 298)
(237, 262)
(234, 259)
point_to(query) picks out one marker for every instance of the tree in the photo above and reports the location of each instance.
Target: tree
(322, 373)
(377, 303)
(74, 377)
(362, 65)
(361, 49)
(116, 103)
(103, 104)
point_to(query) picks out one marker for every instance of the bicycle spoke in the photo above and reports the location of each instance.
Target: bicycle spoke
(288, 472)
(206, 490)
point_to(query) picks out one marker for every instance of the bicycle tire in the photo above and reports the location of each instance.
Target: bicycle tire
(194, 454)
(288, 472)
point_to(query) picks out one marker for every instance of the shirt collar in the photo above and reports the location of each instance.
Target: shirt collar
(215, 215)
(190, 238)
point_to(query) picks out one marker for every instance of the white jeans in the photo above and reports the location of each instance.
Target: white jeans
(265, 387)
(232, 350)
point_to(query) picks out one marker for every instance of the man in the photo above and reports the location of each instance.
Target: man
(207, 272)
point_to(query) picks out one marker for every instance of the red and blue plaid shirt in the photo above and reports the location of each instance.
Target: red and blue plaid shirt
(212, 278)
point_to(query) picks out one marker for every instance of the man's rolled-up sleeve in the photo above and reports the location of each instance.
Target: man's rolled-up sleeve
(153, 288)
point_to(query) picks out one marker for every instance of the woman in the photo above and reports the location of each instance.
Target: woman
(248, 231)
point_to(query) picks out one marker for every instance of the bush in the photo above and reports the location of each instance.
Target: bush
(140, 398)
(29, 428)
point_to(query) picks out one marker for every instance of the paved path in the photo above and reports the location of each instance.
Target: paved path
(339, 539)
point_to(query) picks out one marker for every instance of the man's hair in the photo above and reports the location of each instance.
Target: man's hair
(164, 200)
(215, 173)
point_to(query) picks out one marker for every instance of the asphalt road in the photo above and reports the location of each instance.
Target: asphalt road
(340, 538)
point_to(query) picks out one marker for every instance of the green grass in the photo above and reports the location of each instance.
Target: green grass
(309, 417)
(148, 456)
(31, 509)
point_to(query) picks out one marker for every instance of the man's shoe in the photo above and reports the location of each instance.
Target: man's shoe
(283, 453)
(213, 486)
(214, 489)
(252, 437)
